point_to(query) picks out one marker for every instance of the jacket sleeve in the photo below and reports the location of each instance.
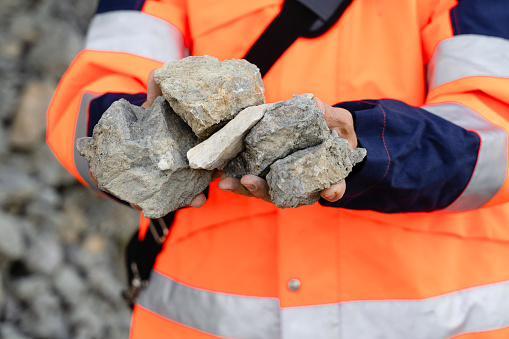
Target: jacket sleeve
(451, 153)
(125, 41)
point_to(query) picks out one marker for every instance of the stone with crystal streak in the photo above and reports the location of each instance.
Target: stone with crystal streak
(225, 144)
(139, 156)
(206, 93)
(298, 179)
(286, 127)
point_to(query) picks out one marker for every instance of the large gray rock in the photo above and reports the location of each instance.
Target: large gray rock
(139, 156)
(225, 144)
(286, 127)
(298, 179)
(12, 242)
(207, 93)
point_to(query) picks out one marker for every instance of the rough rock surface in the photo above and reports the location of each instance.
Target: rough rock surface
(207, 93)
(298, 179)
(139, 156)
(225, 144)
(286, 127)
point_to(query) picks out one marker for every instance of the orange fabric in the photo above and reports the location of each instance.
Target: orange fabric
(148, 325)
(496, 334)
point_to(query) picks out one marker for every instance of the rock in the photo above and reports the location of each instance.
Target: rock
(140, 157)
(12, 243)
(103, 282)
(206, 93)
(17, 188)
(9, 331)
(286, 127)
(3, 139)
(57, 45)
(298, 179)
(225, 144)
(44, 255)
(2, 295)
(27, 288)
(9, 95)
(69, 284)
(29, 127)
(49, 170)
(45, 318)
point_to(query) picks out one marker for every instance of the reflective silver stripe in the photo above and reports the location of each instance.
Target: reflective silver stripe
(468, 55)
(477, 309)
(482, 308)
(220, 314)
(490, 170)
(81, 131)
(137, 33)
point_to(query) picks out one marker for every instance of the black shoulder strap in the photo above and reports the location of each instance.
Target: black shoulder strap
(298, 18)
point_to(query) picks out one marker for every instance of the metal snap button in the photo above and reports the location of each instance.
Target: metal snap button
(294, 285)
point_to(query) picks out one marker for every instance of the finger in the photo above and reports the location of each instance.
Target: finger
(319, 104)
(233, 185)
(92, 176)
(153, 90)
(136, 207)
(256, 186)
(335, 192)
(339, 120)
(198, 201)
(217, 174)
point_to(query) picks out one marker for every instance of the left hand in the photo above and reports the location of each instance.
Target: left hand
(337, 119)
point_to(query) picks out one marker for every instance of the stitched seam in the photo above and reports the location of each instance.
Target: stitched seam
(386, 150)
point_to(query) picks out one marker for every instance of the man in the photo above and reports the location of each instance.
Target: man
(417, 246)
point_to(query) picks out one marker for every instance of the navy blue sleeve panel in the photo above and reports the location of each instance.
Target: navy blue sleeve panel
(117, 5)
(487, 17)
(100, 104)
(415, 160)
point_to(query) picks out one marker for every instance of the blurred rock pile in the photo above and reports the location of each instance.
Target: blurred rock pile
(61, 246)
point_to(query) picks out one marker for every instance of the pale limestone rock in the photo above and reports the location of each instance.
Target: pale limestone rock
(206, 93)
(298, 179)
(139, 156)
(225, 144)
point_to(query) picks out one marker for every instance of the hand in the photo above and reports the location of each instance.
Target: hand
(153, 91)
(339, 120)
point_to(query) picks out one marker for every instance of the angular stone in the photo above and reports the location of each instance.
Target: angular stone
(286, 127)
(139, 156)
(298, 179)
(29, 125)
(225, 144)
(206, 93)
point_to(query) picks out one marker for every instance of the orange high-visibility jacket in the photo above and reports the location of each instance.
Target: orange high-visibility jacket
(419, 245)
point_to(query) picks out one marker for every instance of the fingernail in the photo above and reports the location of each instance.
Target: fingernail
(250, 187)
(330, 196)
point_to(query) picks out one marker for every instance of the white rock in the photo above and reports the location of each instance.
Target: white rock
(225, 144)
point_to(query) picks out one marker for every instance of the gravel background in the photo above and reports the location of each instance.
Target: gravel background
(61, 246)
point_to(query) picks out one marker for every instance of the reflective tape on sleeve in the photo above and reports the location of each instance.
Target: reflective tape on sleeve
(490, 170)
(481, 308)
(468, 55)
(80, 132)
(136, 33)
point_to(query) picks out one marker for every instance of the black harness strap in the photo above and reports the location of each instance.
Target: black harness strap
(307, 18)
(298, 18)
